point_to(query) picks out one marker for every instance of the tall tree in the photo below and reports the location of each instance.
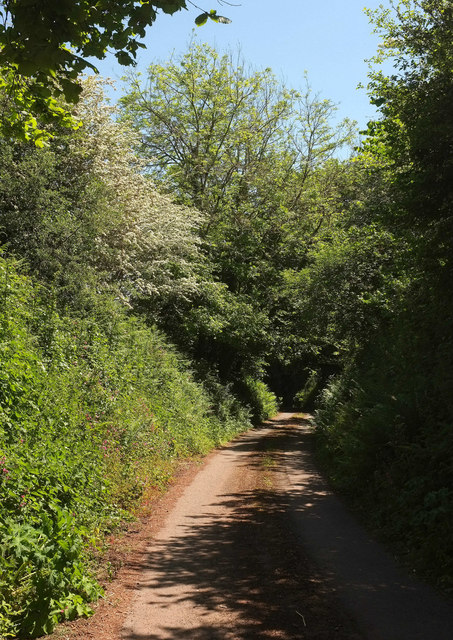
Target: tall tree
(87, 214)
(387, 418)
(256, 159)
(236, 145)
(416, 128)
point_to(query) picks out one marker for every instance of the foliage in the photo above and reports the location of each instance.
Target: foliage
(212, 15)
(95, 405)
(153, 248)
(262, 401)
(350, 285)
(385, 421)
(93, 411)
(226, 140)
(43, 52)
(305, 397)
(256, 160)
(385, 428)
(90, 220)
(215, 208)
(416, 129)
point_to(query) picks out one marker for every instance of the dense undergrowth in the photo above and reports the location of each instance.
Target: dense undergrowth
(92, 409)
(97, 405)
(386, 419)
(385, 436)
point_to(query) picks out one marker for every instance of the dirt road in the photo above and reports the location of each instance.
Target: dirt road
(257, 547)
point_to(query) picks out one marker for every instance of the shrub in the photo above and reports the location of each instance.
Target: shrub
(262, 402)
(94, 410)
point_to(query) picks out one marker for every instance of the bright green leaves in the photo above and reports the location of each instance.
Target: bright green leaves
(28, 105)
(92, 411)
(415, 102)
(44, 48)
(41, 574)
(254, 158)
(212, 15)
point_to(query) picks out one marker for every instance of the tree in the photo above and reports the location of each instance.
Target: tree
(416, 129)
(90, 220)
(198, 116)
(256, 160)
(236, 145)
(44, 48)
(386, 419)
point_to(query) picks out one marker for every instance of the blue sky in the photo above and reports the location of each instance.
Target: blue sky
(330, 39)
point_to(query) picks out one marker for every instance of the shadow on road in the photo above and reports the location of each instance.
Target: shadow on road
(248, 563)
(256, 560)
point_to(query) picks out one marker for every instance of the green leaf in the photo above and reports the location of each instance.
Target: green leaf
(221, 19)
(202, 19)
(124, 58)
(71, 90)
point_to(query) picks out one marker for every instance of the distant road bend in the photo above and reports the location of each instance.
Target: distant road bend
(258, 547)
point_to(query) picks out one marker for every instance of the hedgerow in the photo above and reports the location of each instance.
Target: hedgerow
(92, 408)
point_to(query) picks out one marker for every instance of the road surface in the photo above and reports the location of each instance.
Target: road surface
(258, 547)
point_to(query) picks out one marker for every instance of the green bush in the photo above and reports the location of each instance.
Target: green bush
(305, 398)
(384, 428)
(262, 402)
(93, 410)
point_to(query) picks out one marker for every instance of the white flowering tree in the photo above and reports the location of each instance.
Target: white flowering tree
(87, 219)
(149, 245)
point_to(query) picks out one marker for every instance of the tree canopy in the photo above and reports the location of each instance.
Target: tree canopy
(44, 48)
(257, 160)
